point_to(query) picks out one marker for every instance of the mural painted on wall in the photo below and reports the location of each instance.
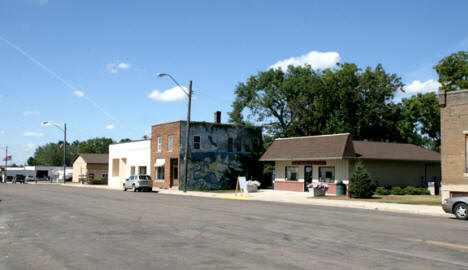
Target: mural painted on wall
(220, 157)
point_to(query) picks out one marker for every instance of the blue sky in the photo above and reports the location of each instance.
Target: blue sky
(92, 64)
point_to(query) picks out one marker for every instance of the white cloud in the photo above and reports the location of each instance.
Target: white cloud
(29, 148)
(416, 86)
(79, 94)
(33, 134)
(115, 66)
(27, 113)
(316, 59)
(110, 127)
(173, 94)
(3, 132)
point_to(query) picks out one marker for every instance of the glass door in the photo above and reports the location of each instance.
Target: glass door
(307, 176)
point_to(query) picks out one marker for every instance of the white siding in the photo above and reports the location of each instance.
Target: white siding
(341, 170)
(129, 154)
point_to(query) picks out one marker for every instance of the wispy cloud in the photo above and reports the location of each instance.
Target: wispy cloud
(33, 134)
(316, 59)
(3, 132)
(78, 93)
(40, 2)
(416, 86)
(1, 96)
(173, 94)
(28, 113)
(110, 127)
(116, 66)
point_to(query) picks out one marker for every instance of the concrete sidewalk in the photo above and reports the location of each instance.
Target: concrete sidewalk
(300, 198)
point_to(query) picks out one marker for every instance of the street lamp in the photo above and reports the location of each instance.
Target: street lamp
(189, 95)
(50, 123)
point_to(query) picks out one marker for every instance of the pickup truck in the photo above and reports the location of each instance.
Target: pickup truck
(19, 178)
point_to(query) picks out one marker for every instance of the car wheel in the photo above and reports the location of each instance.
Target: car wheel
(134, 189)
(124, 188)
(461, 211)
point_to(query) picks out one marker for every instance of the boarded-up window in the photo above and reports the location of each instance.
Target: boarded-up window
(115, 167)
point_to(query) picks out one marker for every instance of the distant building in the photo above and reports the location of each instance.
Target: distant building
(329, 158)
(126, 159)
(216, 153)
(90, 166)
(41, 172)
(454, 142)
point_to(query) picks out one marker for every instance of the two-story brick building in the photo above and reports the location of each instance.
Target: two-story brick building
(216, 152)
(454, 142)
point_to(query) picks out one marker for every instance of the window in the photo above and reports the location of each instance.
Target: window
(142, 170)
(247, 146)
(292, 173)
(160, 173)
(466, 153)
(115, 167)
(327, 174)
(239, 145)
(104, 175)
(169, 143)
(159, 143)
(230, 145)
(196, 142)
(132, 170)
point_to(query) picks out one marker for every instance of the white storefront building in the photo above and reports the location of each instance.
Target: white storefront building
(126, 159)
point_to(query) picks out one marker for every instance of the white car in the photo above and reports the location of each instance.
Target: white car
(138, 183)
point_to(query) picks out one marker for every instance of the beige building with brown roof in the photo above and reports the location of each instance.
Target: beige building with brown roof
(90, 166)
(454, 142)
(329, 158)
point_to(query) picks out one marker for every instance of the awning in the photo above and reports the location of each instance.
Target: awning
(160, 162)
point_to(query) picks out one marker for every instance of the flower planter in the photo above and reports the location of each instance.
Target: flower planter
(316, 192)
(252, 188)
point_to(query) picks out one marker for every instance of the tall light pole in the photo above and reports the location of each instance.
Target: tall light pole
(50, 123)
(187, 133)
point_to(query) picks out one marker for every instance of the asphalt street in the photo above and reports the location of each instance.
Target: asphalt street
(60, 227)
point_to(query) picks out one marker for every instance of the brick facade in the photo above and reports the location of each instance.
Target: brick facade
(289, 185)
(163, 131)
(454, 129)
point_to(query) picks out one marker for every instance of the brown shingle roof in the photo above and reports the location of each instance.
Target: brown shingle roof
(95, 158)
(335, 146)
(341, 146)
(394, 151)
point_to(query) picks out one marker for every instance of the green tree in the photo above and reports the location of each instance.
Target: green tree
(303, 101)
(360, 183)
(420, 121)
(95, 145)
(31, 161)
(453, 71)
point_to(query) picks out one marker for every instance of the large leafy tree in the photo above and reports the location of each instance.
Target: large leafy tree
(453, 71)
(302, 101)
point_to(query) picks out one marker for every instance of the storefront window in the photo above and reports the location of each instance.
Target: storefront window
(160, 173)
(292, 173)
(327, 174)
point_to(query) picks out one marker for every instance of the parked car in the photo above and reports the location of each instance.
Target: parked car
(30, 178)
(457, 206)
(9, 178)
(138, 183)
(19, 178)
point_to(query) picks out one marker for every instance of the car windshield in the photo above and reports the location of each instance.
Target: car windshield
(145, 177)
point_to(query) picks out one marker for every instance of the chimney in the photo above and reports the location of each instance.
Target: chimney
(217, 117)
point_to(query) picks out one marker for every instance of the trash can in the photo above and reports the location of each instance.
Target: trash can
(340, 188)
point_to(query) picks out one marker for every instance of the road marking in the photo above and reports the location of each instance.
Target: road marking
(443, 244)
(234, 198)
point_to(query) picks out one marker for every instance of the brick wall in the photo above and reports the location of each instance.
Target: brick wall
(164, 130)
(289, 185)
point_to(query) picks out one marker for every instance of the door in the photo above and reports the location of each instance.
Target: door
(307, 176)
(174, 175)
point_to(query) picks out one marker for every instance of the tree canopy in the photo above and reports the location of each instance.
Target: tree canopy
(304, 102)
(453, 71)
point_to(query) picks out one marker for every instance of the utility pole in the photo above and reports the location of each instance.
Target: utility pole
(64, 150)
(187, 134)
(6, 165)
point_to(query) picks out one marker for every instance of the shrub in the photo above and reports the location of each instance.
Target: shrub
(98, 182)
(397, 191)
(360, 183)
(382, 191)
(409, 190)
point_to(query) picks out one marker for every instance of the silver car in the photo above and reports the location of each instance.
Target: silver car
(457, 206)
(138, 183)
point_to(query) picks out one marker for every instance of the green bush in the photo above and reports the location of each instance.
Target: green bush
(409, 190)
(360, 183)
(382, 191)
(98, 182)
(397, 191)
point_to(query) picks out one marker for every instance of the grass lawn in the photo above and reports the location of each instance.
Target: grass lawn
(403, 199)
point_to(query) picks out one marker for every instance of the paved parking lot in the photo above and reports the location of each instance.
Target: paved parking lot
(59, 227)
